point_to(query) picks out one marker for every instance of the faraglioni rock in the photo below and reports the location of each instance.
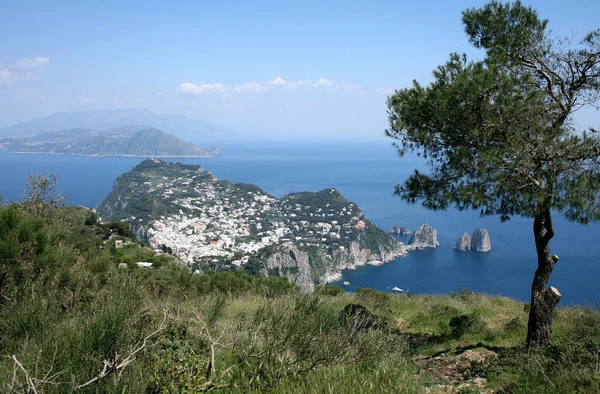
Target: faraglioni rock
(480, 241)
(424, 237)
(463, 243)
(399, 230)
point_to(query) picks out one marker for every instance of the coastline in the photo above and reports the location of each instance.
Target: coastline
(402, 251)
(99, 155)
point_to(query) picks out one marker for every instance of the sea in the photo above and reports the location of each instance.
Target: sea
(365, 173)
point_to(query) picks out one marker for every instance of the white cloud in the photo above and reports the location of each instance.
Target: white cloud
(188, 87)
(6, 77)
(323, 82)
(278, 81)
(87, 99)
(249, 87)
(29, 69)
(33, 62)
(253, 87)
(349, 86)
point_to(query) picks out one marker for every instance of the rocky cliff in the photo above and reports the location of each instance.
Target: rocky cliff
(399, 230)
(463, 243)
(307, 268)
(424, 237)
(480, 241)
(291, 262)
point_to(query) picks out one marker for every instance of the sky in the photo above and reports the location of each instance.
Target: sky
(264, 68)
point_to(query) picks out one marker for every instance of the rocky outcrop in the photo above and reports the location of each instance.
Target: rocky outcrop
(305, 270)
(399, 230)
(291, 262)
(424, 237)
(329, 269)
(463, 243)
(480, 241)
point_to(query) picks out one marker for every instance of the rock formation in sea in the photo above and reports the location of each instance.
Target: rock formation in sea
(424, 237)
(463, 243)
(480, 241)
(399, 230)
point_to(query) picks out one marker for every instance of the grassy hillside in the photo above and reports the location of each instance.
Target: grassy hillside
(71, 320)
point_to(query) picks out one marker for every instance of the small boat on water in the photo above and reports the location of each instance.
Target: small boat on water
(346, 283)
(397, 289)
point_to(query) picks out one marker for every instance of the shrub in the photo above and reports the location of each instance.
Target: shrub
(514, 324)
(463, 324)
(176, 369)
(329, 290)
(91, 219)
(105, 332)
(374, 300)
(357, 317)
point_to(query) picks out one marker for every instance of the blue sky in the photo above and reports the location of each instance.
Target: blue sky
(268, 68)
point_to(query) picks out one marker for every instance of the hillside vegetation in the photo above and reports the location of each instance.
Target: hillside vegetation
(122, 141)
(71, 320)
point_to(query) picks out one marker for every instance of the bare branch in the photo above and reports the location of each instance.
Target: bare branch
(114, 365)
(28, 378)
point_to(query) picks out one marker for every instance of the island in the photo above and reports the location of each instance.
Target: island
(217, 225)
(463, 243)
(123, 141)
(399, 230)
(479, 242)
(424, 237)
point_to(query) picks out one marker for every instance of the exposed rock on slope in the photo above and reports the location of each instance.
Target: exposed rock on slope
(463, 243)
(291, 262)
(424, 237)
(480, 241)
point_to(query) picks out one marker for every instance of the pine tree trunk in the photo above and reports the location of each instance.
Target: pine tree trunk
(543, 299)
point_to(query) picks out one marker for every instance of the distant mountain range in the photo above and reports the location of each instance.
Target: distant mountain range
(124, 141)
(181, 126)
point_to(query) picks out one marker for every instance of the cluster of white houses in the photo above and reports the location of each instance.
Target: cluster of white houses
(218, 220)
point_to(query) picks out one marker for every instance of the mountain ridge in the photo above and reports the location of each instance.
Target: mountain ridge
(178, 125)
(125, 141)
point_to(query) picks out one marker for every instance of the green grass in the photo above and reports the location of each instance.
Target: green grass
(65, 309)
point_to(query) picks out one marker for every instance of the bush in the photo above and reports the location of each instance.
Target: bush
(514, 324)
(464, 324)
(176, 369)
(374, 300)
(357, 317)
(91, 219)
(106, 331)
(330, 291)
(119, 228)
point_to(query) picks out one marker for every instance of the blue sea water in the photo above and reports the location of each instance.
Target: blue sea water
(365, 173)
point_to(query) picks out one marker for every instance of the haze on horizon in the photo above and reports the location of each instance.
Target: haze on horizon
(264, 69)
